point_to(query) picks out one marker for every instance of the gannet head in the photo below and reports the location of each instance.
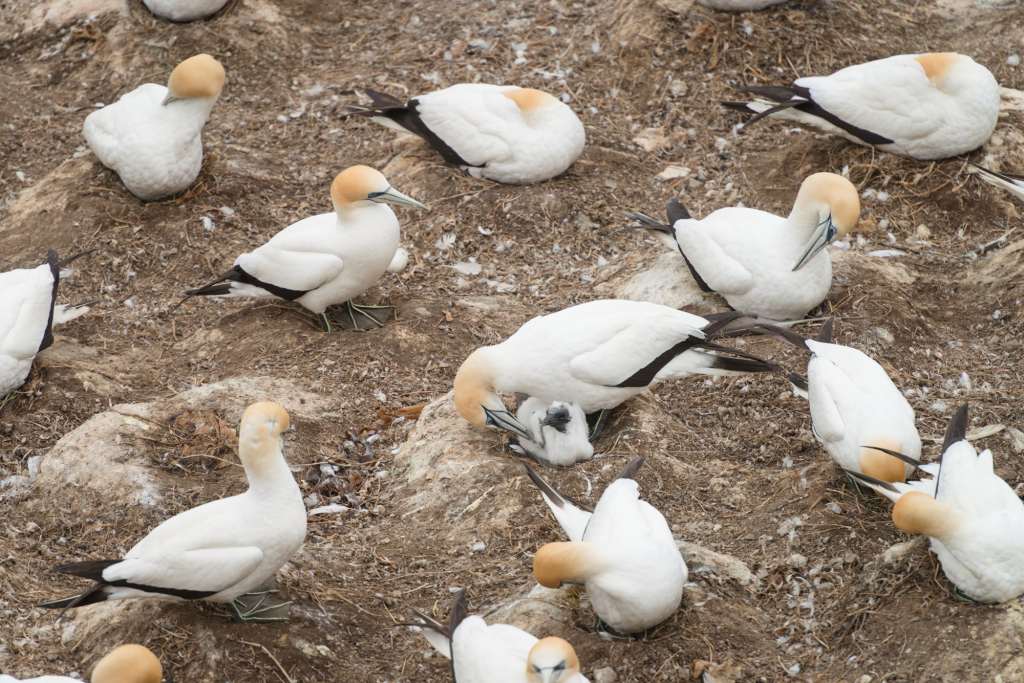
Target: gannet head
(558, 417)
(565, 561)
(128, 664)
(876, 463)
(476, 400)
(551, 660)
(939, 65)
(918, 513)
(834, 199)
(530, 101)
(199, 76)
(261, 436)
(361, 186)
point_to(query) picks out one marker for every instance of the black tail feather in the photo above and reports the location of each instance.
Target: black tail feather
(90, 597)
(825, 333)
(69, 259)
(87, 570)
(631, 468)
(799, 381)
(646, 223)
(745, 365)
(871, 480)
(676, 211)
(896, 454)
(549, 492)
(957, 429)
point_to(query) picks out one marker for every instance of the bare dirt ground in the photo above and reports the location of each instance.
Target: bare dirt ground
(731, 463)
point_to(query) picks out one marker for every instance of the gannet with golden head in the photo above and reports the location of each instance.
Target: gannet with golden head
(561, 436)
(124, 664)
(1006, 181)
(925, 106)
(764, 265)
(225, 551)
(623, 551)
(28, 312)
(152, 137)
(326, 259)
(597, 355)
(973, 517)
(497, 653)
(504, 133)
(184, 10)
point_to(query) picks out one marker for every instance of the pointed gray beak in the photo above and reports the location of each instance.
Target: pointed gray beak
(170, 98)
(823, 234)
(502, 419)
(393, 196)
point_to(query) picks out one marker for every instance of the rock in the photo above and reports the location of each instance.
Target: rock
(605, 675)
(665, 281)
(538, 612)
(797, 560)
(718, 563)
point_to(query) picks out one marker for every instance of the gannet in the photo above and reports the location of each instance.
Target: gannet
(596, 354)
(926, 106)
(27, 316)
(497, 653)
(125, 664)
(738, 5)
(499, 132)
(326, 259)
(184, 10)
(974, 519)
(225, 551)
(623, 551)
(560, 432)
(1011, 183)
(151, 137)
(765, 265)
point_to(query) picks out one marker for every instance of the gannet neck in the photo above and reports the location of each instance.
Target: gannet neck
(822, 195)
(198, 76)
(260, 444)
(552, 660)
(918, 513)
(558, 562)
(938, 65)
(880, 465)
(474, 387)
(128, 664)
(530, 101)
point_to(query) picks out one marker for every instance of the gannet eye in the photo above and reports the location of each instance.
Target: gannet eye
(561, 666)
(374, 195)
(536, 668)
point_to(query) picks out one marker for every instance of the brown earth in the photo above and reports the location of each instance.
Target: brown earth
(731, 463)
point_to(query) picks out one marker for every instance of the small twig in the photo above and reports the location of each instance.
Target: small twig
(270, 654)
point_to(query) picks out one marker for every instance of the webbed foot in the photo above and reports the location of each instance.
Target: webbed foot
(257, 608)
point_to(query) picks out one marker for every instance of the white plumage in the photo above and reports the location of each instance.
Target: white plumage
(925, 106)
(503, 133)
(1012, 184)
(624, 551)
(151, 137)
(184, 10)
(561, 436)
(124, 664)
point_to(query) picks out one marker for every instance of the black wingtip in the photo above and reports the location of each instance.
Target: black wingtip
(676, 211)
(896, 454)
(871, 480)
(631, 469)
(545, 488)
(460, 610)
(799, 381)
(957, 429)
(69, 259)
(825, 333)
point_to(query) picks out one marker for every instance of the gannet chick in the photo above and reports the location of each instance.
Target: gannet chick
(225, 551)
(926, 106)
(974, 519)
(326, 259)
(738, 5)
(597, 355)
(184, 10)
(499, 132)
(623, 551)
(764, 265)
(27, 316)
(560, 432)
(1011, 183)
(498, 653)
(125, 664)
(151, 137)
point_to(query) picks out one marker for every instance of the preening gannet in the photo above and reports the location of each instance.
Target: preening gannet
(125, 664)
(184, 10)
(738, 5)
(225, 551)
(623, 551)
(497, 653)
(326, 259)
(1011, 183)
(765, 265)
(561, 435)
(974, 519)
(27, 316)
(597, 355)
(500, 132)
(152, 137)
(926, 106)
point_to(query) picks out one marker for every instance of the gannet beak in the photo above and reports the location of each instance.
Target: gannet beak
(170, 98)
(502, 419)
(393, 196)
(551, 675)
(823, 234)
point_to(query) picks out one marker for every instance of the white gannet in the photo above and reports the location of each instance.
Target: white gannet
(1011, 183)
(974, 519)
(738, 5)
(225, 551)
(499, 132)
(560, 432)
(326, 259)
(125, 664)
(497, 653)
(623, 551)
(151, 137)
(765, 265)
(184, 10)
(926, 106)
(596, 354)
(27, 316)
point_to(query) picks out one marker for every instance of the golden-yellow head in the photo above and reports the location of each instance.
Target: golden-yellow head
(364, 185)
(918, 513)
(128, 664)
(551, 660)
(938, 64)
(529, 100)
(199, 76)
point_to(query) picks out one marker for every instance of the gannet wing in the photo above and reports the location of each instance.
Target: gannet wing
(824, 382)
(203, 570)
(296, 270)
(702, 251)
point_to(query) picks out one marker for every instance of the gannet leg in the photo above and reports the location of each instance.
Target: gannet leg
(353, 315)
(6, 400)
(258, 608)
(325, 324)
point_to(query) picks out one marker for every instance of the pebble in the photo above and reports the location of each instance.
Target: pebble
(605, 675)
(797, 560)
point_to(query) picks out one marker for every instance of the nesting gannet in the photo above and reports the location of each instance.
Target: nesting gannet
(974, 519)
(623, 551)
(27, 316)
(596, 354)
(124, 664)
(184, 10)
(497, 653)
(1011, 183)
(926, 106)
(560, 432)
(738, 5)
(765, 265)
(325, 259)
(500, 132)
(151, 137)
(225, 551)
